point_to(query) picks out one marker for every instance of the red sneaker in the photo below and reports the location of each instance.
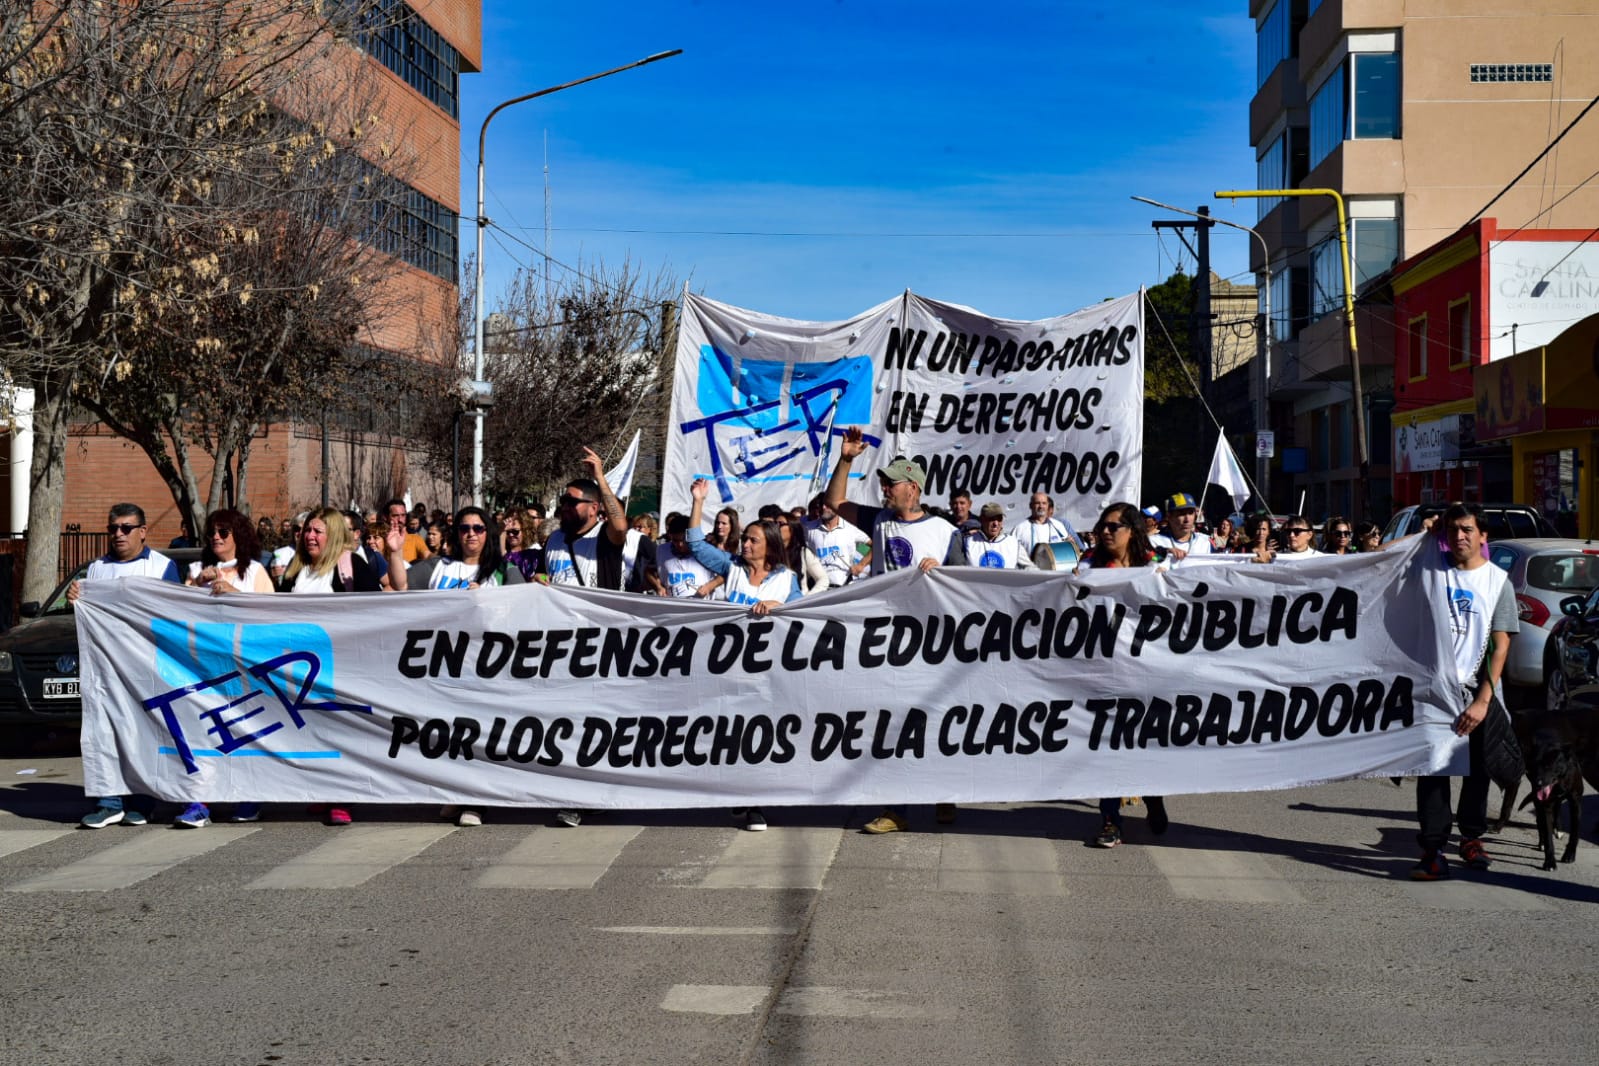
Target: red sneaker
(338, 816)
(1473, 854)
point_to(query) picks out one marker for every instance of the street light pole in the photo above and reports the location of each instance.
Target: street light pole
(479, 386)
(1263, 407)
(1362, 453)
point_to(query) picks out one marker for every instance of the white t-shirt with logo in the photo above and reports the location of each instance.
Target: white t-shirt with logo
(1197, 543)
(683, 577)
(565, 564)
(148, 563)
(1032, 534)
(837, 549)
(780, 585)
(899, 545)
(1478, 602)
(1002, 554)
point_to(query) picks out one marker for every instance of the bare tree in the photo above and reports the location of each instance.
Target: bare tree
(122, 125)
(573, 365)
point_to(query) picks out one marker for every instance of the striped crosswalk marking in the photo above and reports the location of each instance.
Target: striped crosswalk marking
(560, 858)
(353, 857)
(787, 857)
(121, 865)
(817, 1001)
(1222, 876)
(15, 840)
(1017, 866)
(1465, 894)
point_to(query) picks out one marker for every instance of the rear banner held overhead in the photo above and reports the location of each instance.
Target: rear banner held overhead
(998, 407)
(957, 685)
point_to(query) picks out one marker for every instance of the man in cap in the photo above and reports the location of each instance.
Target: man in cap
(1151, 521)
(903, 536)
(1180, 539)
(991, 546)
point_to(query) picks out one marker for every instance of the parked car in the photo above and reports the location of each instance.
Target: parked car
(1503, 521)
(39, 659)
(1571, 655)
(1543, 572)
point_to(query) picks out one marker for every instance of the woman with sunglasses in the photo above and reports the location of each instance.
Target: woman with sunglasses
(1298, 543)
(521, 549)
(472, 558)
(227, 564)
(1120, 541)
(229, 554)
(1337, 536)
(1368, 538)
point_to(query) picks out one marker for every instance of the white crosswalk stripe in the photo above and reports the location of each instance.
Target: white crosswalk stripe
(1222, 876)
(149, 853)
(560, 858)
(1015, 866)
(15, 840)
(353, 857)
(777, 858)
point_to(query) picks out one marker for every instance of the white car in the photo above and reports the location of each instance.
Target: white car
(1543, 571)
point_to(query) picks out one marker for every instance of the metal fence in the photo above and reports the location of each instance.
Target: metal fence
(77, 547)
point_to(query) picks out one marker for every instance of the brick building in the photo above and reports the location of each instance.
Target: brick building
(418, 54)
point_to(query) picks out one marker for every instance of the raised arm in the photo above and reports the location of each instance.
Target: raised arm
(849, 449)
(615, 513)
(709, 556)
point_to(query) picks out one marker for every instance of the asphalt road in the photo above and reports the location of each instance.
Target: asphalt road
(1264, 928)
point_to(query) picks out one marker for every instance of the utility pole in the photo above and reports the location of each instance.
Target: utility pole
(1200, 326)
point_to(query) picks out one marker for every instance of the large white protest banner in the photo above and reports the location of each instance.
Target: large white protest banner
(1001, 408)
(955, 685)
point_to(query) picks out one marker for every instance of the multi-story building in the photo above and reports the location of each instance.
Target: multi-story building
(1423, 115)
(418, 52)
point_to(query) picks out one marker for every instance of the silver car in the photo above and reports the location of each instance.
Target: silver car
(1543, 571)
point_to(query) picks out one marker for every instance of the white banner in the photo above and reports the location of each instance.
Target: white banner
(957, 685)
(999, 407)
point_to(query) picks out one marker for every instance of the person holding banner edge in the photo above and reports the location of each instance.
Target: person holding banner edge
(1120, 541)
(903, 536)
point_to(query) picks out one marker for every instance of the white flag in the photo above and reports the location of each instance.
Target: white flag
(620, 476)
(1225, 471)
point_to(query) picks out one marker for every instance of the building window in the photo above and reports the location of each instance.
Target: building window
(1290, 302)
(1270, 171)
(1359, 99)
(1373, 248)
(1416, 348)
(400, 39)
(1277, 38)
(1460, 331)
(1513, 72)
(412, 226)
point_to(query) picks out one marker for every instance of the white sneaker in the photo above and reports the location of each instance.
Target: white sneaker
(570, 819)
(468, 818)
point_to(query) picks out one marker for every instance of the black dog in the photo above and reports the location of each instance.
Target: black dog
(1556, 776)
(1579, 732)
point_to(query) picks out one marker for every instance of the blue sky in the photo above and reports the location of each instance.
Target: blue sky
(811, 159)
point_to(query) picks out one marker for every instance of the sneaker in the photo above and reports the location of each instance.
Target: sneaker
(1432, 867)
(337, 816)
(133, 817)
(755, 820)
(194, 816)
(246, 812)
(1109, 836)
(1473, 854)
(887, 822)
(101, 817)
(468, 819)
(1156, 818)
(944, 813)
(570, 819)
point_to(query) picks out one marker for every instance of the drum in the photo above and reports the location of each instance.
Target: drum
(1062, 555)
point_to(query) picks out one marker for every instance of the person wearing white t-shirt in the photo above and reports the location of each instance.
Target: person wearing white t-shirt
(1182, 539)
(837, 544)
(990, 546)
(903, 536)
(1041, 526)
(593, 548)
(679, 573)
(1477, 599)
(129, 557)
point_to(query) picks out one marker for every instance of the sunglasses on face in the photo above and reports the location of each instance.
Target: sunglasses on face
(1111, 527)
(573, 501)
(473, 528)
(1297, 530)
(221, 531)
(122, 527)
(1340, 533)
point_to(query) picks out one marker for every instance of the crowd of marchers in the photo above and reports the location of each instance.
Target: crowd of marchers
(778, 555)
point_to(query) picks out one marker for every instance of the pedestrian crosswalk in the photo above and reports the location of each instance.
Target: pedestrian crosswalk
(519, 858)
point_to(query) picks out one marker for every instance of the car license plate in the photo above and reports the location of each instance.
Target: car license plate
(60, 688)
